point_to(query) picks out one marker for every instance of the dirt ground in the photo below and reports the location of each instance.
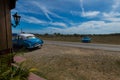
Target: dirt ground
(70, 63)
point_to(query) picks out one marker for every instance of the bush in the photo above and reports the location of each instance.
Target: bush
(13, 72)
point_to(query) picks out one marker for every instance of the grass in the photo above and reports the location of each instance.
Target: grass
(10, 72)
(105, 39)
(75, 63)
(5, 61)
(84, 68)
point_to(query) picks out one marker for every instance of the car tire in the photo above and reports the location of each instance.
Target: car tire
(40, 47)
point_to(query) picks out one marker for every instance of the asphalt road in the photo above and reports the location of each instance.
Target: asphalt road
(86, 45)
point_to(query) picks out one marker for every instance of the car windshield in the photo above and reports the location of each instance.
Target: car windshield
(30, 37)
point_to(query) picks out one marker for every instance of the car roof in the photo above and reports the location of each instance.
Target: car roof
(22, 34)
(25, 35)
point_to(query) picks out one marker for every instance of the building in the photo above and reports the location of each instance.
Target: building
(5, 25)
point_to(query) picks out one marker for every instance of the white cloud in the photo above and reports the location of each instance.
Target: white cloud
(36, 7)
(112, 16)
(116, 5)
(82, 7)
(59, 24)
(30, 19)
(22, 7)
(90, 27)
(88, 14)
(91, 14)
(47, 12)
(33, 20)
(113, 19)
(46, 8)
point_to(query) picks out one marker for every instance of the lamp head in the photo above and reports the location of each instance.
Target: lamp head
(16, 18)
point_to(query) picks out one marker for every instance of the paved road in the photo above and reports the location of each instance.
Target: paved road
(86, 45)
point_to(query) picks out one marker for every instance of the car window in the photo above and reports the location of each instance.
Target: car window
(20, 38)
(30, 37)
(14, 37)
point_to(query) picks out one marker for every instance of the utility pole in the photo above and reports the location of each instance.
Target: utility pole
(21, 30)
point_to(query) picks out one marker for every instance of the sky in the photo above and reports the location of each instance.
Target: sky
(68, 16)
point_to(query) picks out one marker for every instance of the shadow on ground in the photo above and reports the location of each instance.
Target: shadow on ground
(23, 50)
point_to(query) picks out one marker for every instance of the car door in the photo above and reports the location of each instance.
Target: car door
(15, 41)
(20, 41)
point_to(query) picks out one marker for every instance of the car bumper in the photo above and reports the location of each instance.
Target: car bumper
(35, 46)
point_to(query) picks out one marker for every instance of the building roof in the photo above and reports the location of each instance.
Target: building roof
(12, 4)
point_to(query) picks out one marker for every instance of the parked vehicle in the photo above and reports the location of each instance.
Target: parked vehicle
(26, 40)
(86, 39)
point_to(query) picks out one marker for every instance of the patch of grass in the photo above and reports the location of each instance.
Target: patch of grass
(74, 67)
(118, 62)
(105, 39)
(10, 72)
(69, 63)
(5, 62)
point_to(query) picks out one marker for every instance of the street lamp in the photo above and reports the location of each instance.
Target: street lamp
(16, 19)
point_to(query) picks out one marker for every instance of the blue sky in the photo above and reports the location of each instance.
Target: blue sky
(68, 16)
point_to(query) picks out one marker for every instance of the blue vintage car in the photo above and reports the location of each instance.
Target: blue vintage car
(86, 39)
(26, 40)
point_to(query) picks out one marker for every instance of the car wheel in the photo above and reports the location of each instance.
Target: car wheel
(40, 47)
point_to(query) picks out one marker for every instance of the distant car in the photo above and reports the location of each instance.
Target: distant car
(26, 40)
(86, 39)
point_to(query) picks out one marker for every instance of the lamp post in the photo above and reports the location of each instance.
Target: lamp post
(16, 19)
